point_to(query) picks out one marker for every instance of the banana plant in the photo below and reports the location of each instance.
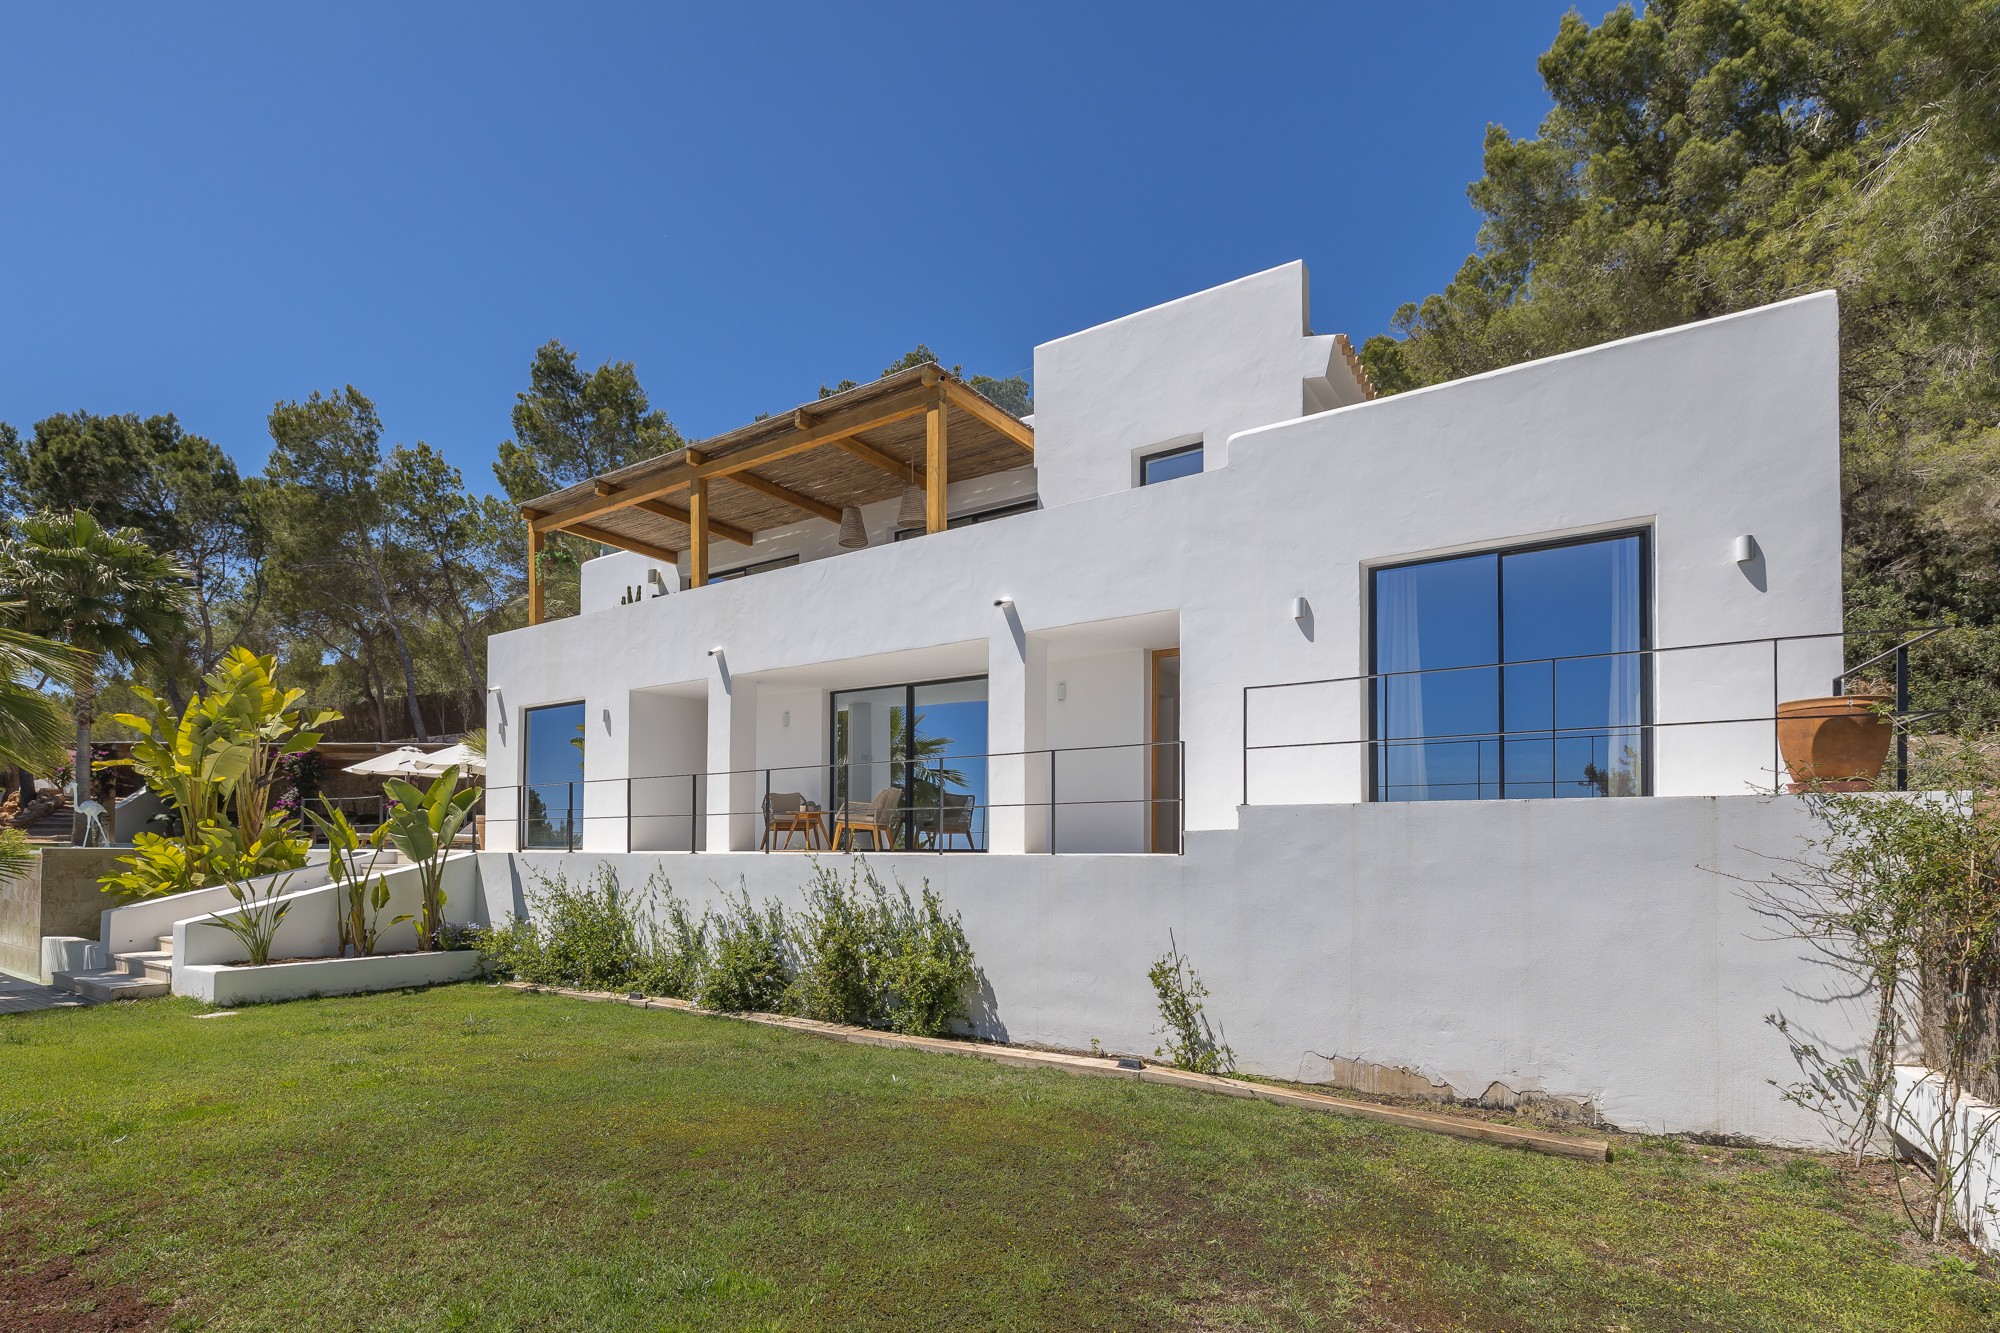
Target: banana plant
(359, 895)
(421, 825)
(260, 910)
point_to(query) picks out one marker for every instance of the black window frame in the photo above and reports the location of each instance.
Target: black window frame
(755, 567)
(1645, 650)
(573, 828)
(1008, 510)
(1177, 451)
(836, 788)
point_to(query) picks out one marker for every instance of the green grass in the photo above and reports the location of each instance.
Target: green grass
(472, 1158)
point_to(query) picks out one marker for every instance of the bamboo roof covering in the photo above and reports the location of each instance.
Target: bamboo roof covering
(856, 447)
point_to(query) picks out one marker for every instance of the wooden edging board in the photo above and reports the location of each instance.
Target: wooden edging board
(1021, 1057)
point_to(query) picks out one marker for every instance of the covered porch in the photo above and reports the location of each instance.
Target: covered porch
(908, 435)
(1070, 744)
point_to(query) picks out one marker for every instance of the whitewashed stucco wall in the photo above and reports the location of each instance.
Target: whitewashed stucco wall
(1703, 433)
(1595, 951)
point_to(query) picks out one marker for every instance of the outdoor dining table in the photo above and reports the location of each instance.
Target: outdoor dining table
(811, 821)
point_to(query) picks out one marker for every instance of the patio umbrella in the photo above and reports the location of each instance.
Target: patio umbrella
(399, 762)
(454, 756)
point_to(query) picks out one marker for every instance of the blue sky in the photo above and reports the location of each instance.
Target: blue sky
(210, 208)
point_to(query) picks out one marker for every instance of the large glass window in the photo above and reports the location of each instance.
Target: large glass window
(552, 781)
(1513, 674)
(927, 742)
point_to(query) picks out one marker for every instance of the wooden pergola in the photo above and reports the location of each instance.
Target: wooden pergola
(917, 427)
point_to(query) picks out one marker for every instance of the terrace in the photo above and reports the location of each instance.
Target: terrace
(906, 437)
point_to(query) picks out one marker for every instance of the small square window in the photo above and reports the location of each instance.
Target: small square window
(1184, 461)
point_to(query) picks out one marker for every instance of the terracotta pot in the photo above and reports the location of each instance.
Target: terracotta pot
(1836, 743)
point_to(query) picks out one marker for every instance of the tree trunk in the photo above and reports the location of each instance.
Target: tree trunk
(86, 713)
(402, 653)
(371, 684)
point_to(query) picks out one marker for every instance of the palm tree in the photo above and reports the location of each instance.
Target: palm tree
(102, 592)
(31, 725)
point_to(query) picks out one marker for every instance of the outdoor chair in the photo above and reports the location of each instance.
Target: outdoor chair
(876, 818)
(952, 818)
(785, 812)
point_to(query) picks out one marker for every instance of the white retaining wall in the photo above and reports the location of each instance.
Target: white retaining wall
(1919, 1114)
(1595, 951)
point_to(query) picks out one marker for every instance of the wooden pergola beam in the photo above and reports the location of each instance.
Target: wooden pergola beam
(889, 463)
(969, 402)
(727, 531)
(535, 598)
(836, 430)
(698, 525)
(936, 516)
(816, 508)
(623, 543)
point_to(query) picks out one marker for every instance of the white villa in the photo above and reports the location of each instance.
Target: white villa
(1433, 726)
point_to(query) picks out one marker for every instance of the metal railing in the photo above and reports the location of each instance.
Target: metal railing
(1640, 733)
(1086, 798)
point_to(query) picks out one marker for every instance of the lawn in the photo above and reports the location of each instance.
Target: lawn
(473, 1158)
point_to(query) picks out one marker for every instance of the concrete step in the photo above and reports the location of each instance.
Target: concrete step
(166, 944)
(111, 984)
(144, 963)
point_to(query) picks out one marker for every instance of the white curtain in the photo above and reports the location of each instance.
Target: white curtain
(1621, 709)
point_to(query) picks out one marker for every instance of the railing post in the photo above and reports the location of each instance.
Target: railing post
(628, 814)
(1180, 792)
(569, 817)
(694, 812)
(765, 841)
(1052, 802)
(1902, 713)
(937, 830)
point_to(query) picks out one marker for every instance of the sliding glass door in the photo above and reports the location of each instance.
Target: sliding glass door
(917, 754)
(1510, 674)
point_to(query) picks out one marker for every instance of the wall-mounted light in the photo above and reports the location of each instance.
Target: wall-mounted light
(1062, 690)
(1745, 549)
(1003, 601)
(1298, 608)
(715, 652)
(786, 718)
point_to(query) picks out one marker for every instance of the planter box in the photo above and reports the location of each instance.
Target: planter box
(233, 985)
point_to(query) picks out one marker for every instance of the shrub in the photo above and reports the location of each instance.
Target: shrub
(675, 955)
(595, 937)
(841, 939)
(746, 973)
(928, 966)
(1191, 1042)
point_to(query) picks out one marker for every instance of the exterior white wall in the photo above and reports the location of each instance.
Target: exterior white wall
(1201, 368)
(608, 579)
(1592, 951)
(1702, 433)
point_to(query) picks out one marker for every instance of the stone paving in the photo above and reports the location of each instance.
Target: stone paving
(26, 997)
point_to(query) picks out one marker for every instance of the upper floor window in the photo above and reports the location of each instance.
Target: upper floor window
(978, 516)
(1518, 673)
(761, 566)
(1183, 461)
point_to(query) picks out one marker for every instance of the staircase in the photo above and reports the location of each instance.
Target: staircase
(55, 826)
(131, 976)
(143, 974)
